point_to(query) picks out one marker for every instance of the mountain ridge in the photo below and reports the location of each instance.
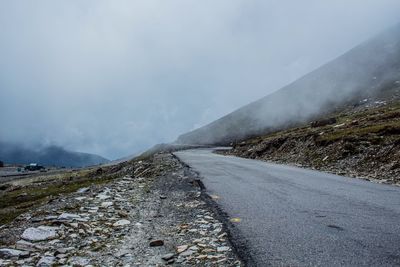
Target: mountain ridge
(48, 156)
(363, 71)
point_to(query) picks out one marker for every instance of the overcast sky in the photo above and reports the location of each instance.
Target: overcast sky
(115, 77)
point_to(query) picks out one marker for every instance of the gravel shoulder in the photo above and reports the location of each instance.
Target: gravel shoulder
(151, 212)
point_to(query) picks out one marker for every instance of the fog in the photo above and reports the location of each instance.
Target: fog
(115, 77)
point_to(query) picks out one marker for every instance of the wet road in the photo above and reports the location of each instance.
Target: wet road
(297, 217)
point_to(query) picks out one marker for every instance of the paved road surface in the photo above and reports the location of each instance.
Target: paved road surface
(297, 217)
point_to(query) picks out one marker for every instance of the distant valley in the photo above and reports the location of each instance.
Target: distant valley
(47, 156)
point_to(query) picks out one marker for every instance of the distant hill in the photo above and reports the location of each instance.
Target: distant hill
(367, 70)
(48, 156)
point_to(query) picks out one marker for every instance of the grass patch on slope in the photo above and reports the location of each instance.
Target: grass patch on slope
(18, 200)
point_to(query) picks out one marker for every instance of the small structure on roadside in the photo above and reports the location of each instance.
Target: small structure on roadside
(1, 164)
(34, 167)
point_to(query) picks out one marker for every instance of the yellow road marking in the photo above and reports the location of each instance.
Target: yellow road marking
(235, 220)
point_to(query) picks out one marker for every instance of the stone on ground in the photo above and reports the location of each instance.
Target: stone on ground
(40, 233)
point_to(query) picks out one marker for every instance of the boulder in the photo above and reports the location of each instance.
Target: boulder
(40, 233)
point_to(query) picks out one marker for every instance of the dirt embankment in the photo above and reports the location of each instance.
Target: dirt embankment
(362, 142)
(148, 212)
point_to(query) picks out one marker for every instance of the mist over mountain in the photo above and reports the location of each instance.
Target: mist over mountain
(114, 78)
(47, 156)
(368, 69)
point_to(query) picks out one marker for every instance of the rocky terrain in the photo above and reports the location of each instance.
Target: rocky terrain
(148, 212)
(360, 141)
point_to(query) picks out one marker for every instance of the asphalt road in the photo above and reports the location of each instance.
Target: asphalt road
(298, 217)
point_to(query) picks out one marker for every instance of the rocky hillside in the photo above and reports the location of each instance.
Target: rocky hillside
(362, 141)
(48, 156)
(363, 72)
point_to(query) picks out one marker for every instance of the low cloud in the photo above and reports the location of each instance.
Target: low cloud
(115, 77)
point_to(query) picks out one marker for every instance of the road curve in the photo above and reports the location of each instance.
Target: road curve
(298, 217)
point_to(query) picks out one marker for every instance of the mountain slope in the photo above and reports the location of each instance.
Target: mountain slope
(365, 71)
(48, 156)
(360, 142)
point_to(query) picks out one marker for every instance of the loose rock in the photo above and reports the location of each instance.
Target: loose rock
(28, 246)
(46, 261)
(68, 216)
(83, 190)
(121, 223)
(40, 233)
(168, 256)
(92, 231)
(182, 248)
(223, 249)
(7, 253)
(156, 243)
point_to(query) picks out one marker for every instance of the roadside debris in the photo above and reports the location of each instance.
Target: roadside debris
(127, 222)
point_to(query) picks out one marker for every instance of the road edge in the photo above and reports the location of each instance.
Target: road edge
(235, 239)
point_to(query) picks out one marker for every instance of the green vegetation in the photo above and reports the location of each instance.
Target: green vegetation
(363, 125)
(368, 125)
(359, 133)
(363, 142)
(18, 200)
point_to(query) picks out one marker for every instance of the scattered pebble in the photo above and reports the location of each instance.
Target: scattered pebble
(121, 223)
(182, 248)
(168, 256)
